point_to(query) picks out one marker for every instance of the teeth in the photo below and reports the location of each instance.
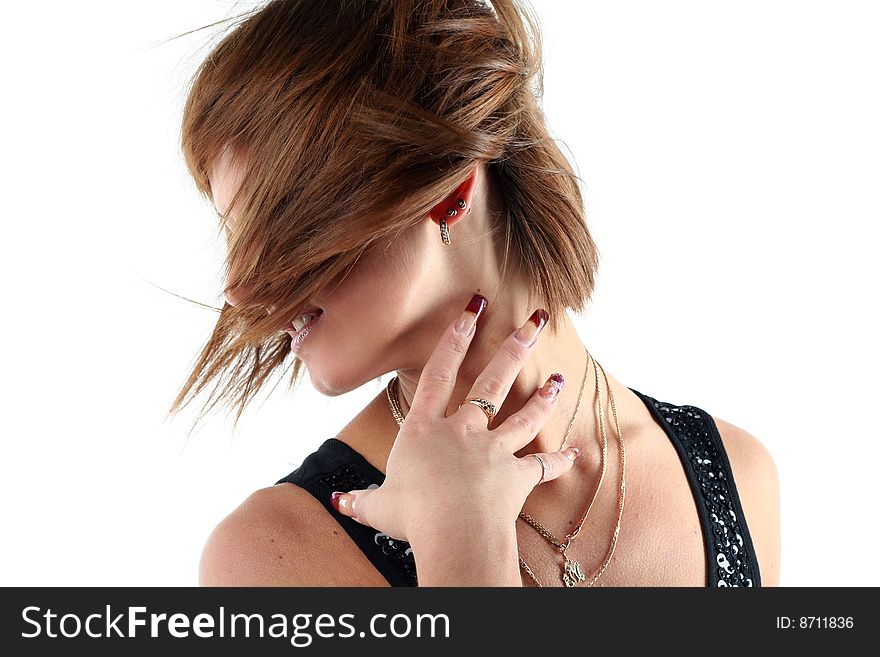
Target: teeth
(301, 321)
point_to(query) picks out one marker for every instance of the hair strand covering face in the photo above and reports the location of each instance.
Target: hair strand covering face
(352, 120)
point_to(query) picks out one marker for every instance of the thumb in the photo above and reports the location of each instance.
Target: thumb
(349, 504)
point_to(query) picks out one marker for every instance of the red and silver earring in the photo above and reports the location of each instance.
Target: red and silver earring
(450, 212)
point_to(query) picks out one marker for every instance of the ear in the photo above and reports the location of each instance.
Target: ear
(463, 193)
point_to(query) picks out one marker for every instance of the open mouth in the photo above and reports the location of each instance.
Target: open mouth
(301, 325)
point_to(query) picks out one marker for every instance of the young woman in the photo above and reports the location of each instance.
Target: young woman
(393, 202)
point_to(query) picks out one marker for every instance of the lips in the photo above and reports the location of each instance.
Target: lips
(317, 312)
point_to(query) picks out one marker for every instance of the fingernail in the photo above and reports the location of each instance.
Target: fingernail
(552, 386)
(340, 501)
(471, 314)
(528, 332)
(572, 453)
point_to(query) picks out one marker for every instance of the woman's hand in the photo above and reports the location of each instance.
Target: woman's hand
(453, 472)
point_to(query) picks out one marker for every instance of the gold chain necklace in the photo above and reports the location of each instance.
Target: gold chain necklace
(571, 572)
(571, 569)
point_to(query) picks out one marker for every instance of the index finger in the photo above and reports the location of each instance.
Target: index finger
(438, 376)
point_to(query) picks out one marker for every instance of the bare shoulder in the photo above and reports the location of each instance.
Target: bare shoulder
(282, 536)
(757, 483)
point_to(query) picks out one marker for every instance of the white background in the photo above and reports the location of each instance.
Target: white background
(730, 159)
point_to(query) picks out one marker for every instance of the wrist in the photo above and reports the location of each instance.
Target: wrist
(467, 555)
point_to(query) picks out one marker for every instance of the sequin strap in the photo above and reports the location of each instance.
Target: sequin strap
(336, 466)
(730, 555)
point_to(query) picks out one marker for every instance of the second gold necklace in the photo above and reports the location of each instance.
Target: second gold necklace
(572, 574)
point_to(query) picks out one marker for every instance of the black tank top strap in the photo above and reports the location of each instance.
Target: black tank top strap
(731, 559)
(336, 466)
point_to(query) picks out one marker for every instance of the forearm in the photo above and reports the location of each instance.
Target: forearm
(460, 557)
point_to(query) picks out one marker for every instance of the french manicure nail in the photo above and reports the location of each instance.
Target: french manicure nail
(342, 502)
(471, 314)
(553, 385)
(528, 332)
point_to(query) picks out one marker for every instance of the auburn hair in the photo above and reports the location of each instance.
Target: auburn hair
(352, 120)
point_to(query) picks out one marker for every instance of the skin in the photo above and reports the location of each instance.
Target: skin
(403, 329)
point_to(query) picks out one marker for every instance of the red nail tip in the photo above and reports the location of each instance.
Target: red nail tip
(557, 379)
(540, 317)
(477, 304)
(334, 499)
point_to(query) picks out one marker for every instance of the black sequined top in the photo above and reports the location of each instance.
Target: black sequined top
(730, 556)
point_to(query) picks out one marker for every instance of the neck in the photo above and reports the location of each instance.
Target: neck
(561, 352)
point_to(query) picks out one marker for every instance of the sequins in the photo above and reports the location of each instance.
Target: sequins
(346, 478)
(399, 553)
(731, 564)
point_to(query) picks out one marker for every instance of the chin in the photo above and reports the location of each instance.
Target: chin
(332, 383)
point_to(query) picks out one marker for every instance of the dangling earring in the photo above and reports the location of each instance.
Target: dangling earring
(450, 212)
(444, 230)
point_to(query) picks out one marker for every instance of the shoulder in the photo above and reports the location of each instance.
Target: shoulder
(282, 536)
(757, 484)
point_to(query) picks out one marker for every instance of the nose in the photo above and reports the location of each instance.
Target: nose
(240, 293)
(236, 295)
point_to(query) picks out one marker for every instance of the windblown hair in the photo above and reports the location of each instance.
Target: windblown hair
(354, 118)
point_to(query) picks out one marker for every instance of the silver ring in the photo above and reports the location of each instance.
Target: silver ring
(544, 467)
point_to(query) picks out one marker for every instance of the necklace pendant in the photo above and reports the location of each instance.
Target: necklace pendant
(572, 573)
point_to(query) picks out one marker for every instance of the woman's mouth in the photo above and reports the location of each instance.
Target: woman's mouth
(300, 327)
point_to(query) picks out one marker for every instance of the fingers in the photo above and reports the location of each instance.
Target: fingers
(354, 503)
(438, 376)
(495, 380)
(520, 428)
(555, 465)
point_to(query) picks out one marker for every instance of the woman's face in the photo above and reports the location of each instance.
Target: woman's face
(391, 308)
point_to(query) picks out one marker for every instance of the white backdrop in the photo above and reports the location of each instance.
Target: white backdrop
(730, 159)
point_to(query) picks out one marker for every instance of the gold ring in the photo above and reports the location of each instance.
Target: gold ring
(487, 406)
